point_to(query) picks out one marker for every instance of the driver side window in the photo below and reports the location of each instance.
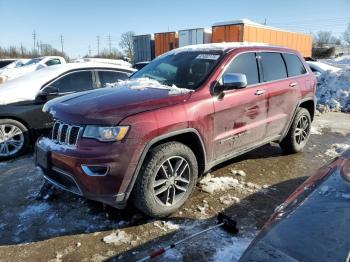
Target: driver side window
(245, 64)
(74, 82)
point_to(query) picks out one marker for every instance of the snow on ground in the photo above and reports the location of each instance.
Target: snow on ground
(211, 184)
(342, 61)
(315, 130)
(337, 149)
(223, 245)
(145, 83)
(333, 91)
(117, 238)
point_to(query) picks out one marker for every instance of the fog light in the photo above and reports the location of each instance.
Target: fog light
(95, 170)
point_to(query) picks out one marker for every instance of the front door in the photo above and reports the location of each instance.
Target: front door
(240, 116)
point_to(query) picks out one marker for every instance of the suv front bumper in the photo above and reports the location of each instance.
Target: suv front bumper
(63, 167)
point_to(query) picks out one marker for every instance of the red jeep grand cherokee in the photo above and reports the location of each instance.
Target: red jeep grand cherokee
(150, 137)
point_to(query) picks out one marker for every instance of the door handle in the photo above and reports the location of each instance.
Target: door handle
(293, 84)
(259, 92)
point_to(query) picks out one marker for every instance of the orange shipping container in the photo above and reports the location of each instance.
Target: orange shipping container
(164, 42)
(248, 31)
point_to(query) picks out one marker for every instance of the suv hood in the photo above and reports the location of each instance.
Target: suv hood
(108, 106)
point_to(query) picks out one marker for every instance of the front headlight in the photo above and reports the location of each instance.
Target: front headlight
(106, 133)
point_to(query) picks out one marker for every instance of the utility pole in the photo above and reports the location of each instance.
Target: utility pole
(61, 38)
(265, 21)
(22, 50)
(109, 38)
(34, 38)
(38, 46)
(98, 45)
(89, 51)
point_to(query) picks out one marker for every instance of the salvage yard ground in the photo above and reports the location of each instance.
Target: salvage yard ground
(248, 188)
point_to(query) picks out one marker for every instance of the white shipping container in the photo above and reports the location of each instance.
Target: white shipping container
(194, 36)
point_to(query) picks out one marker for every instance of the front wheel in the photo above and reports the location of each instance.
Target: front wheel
(299, 132)
(166, 180)
(14, 138)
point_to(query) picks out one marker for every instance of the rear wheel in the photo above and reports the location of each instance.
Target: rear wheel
(299, 132)
(14, 138)
(166, 180)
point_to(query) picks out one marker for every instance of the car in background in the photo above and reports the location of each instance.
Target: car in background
(140, 65)
(103, 60)
(5, 62)
(149, 138)
(31, 66)
(15, 64)
(320, 68)
(313, 223)
(21, 99)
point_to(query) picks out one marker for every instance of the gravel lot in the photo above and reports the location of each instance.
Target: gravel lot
(248, 188)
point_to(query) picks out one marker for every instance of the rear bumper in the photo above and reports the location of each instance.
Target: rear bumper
(65, 169)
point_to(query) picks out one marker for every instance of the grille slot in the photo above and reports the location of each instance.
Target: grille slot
(65, 134)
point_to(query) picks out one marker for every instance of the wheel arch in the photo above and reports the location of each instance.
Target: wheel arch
(189, 136)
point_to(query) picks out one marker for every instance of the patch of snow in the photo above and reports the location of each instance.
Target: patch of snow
(35, 209)
(315, 131)
(346, 196)
(52, 145)
(166, 225)
(322, 67)
(324, 190)
(144, 83)
(229, 200)
(334, 90)
(238, 172)
(211, 184)
(118, 238)
(337, 149)
(233, 249)
(342, 61)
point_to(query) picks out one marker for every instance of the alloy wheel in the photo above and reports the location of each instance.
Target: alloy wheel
(172, 180)
(11, 140)
(302, 130)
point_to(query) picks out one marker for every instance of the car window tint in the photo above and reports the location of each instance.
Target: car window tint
(74, 82)
(273, 66)
(245, 64)
(53, 62)
(107, 77)
(294, 65)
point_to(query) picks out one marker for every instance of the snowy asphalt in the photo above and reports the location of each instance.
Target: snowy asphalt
(248, 188)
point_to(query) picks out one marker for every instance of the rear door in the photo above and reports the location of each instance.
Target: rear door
(283, 92)
(240, 116)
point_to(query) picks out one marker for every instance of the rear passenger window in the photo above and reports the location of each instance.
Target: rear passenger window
(294, 65)
(245, 64)
(109, 77)
(273, 66)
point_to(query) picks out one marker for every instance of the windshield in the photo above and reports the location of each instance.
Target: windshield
(183, 69)
(33, 61)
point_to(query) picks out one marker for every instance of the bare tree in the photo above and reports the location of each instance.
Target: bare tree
(346, 35)
(323, 38)
(126, 44)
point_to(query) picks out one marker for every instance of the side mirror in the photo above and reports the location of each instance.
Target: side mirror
(234, 81)
(230, 81)
(49, 90)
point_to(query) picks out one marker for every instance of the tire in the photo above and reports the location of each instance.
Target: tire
(293, 143)
(14, 138)
(146, 196)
